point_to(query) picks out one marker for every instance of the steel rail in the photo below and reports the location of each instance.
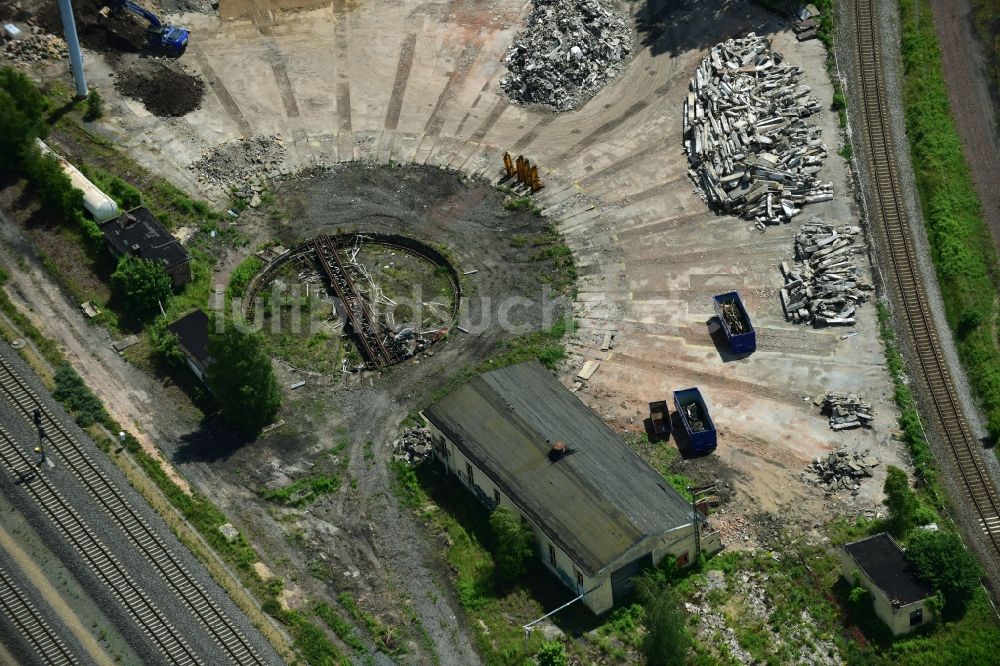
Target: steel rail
(21, 612)
(131, 523)
(905, 278)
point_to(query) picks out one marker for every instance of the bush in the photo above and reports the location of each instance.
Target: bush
(667, 640)
(95, 106)
(141, 287)
(514, 544)
(79, 400)
(901, 501)
(22, 109)
(942, 562)
(50, 182)
(552, 653)
(241, 276)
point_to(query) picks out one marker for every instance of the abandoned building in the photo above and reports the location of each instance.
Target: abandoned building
(192, 339)
(878, 564)
(138, 233)
(517, 438)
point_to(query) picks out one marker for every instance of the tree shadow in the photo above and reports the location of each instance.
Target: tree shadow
(214, 440)
(677, 26)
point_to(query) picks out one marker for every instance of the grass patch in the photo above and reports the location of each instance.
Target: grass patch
(385, 637)
(909, 417)
(961, 247)
(241, 276)
(304, 491)
(345, 632)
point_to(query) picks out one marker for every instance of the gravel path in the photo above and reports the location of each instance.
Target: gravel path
(890, 58)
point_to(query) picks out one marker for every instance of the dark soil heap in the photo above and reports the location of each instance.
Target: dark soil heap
(162, 86)
(119, 31)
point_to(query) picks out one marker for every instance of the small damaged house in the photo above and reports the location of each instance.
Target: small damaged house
(138, 233)
(192, 340)
(517, 438)
(879, 565)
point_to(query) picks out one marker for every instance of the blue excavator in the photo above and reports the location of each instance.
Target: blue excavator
(168, 39)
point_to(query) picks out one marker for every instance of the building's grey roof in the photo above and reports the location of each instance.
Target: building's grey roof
(192, 334)
(596, 502)
(885, 563)
(140, 234)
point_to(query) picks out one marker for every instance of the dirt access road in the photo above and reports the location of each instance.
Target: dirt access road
(971, 104)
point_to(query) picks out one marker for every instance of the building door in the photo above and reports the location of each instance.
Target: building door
(621, 579)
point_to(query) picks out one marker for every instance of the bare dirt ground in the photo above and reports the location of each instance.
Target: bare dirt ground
(414, 82)
(971, 104)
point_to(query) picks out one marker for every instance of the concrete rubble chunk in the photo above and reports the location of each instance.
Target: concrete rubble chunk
(841, 470)
(750, 150)
(823, 287)
(240, 166)
(847, 410)
(413, 446)
(568, 50)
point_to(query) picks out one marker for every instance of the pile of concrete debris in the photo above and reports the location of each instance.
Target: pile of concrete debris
(749, 148)
(35, 47)
(413, 446)
(242, 166)
(841, 470)
(824, 286)
(807, 26)
(568, 50)
(847, 411)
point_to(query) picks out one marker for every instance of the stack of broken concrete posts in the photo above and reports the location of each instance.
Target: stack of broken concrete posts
(413, 446)
(823, 287)
(568, 50)
(841, 470)
(847, 411)
(750, 150)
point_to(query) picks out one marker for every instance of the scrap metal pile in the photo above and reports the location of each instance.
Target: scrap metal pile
(847, 411)
(749, 148)
(734, 317)
(567, 51)
(823, 287)
(693, 414)
(841, 470)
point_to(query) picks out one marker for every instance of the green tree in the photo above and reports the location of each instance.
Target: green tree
(901, 501)
(95, 106)
(242, 379)
(140, 286)
(942, 562)
(667, 640)
(50, 182)
(164, 344)
(22, 109)
(552, 653)
(514, 544)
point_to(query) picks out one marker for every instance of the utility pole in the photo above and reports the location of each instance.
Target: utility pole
(73, 41)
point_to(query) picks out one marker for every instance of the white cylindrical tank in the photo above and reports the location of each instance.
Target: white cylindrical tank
(100, 206)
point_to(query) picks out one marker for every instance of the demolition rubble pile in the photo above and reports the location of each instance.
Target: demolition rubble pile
(841, 470)
(823, 287)
(749, 148)
(36, 47)
(568, 50)
(241, 166)
(413, 446)
(847, 411)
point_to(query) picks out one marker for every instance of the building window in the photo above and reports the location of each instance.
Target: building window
(552, 555)
(496, 497)
(579, 581)
(468, 473)
(682, 560)
(917, 617)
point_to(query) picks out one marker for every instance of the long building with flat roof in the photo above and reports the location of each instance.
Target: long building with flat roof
(516, 437)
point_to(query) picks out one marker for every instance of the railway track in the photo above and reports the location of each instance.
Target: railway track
(22, 614)
(889, 217)
(134, 529)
